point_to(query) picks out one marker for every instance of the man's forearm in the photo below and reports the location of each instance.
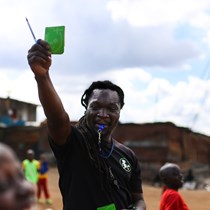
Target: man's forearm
(52, 105)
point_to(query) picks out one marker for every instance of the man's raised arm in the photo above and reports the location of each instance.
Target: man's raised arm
(39, 59)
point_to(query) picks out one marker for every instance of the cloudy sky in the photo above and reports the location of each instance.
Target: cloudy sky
(157, 50)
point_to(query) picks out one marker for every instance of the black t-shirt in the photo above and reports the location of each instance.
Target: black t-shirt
(80, 183)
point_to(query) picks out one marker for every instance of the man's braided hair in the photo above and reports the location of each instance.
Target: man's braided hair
(90, 136)
(101, 85)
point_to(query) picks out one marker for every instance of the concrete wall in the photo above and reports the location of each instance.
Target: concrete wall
(157, 143)
(153, 143)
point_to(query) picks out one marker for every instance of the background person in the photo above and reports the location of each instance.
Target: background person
(172, 178)
(42, 184)
(96, 171)
(189, 180)
(31, 167)
(16, 193)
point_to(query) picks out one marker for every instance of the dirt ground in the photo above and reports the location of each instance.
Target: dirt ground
(195, 199)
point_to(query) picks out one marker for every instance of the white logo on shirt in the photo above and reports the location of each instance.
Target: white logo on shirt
(125, 164)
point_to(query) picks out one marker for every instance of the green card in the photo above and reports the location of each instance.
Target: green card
(108, 207)
(55, 36)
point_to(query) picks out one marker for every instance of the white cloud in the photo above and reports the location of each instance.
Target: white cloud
(153, 12)
(147, 47)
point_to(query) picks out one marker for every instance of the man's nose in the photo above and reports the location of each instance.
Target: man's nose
(103, 114)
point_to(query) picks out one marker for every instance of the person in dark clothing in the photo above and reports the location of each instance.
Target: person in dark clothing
(189, 180)
(96, 172)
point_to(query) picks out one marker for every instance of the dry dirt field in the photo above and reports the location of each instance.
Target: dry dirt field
(196, 199)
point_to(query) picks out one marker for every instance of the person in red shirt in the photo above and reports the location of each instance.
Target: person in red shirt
(172, 179)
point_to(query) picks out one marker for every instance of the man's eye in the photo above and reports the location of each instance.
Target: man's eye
(94, 107)
(113, 108)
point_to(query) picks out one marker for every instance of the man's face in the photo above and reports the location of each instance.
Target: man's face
(174, 177)
(103, 109)
(178, 177)
(15, 192)
(30, 156)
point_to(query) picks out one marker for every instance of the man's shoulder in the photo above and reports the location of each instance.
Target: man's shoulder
(36, 162)
(122, 146)
(25, 161)
(171, 192)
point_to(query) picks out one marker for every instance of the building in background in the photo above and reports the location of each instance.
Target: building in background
(153, 143)
(16, 113)
(17, 126)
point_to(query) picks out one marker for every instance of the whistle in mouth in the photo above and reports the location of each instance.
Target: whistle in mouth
(101, 127)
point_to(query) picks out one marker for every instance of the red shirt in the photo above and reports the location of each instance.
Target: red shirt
(172, 200)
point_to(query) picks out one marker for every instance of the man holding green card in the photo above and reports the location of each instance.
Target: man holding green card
(96, 171)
